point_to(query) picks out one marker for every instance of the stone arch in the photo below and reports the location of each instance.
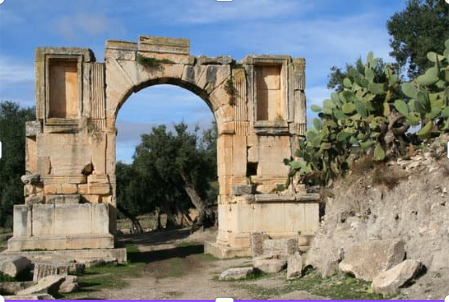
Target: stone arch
(260, 108)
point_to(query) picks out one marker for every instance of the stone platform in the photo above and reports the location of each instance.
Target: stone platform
(117, 253)
(224, 252)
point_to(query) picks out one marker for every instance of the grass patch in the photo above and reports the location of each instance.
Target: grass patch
(338, 287)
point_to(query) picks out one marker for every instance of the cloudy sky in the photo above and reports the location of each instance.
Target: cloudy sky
(325, 32)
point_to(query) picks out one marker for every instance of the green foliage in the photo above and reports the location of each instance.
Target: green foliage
(417, 31)
(373, 115)
(12, 163)
(162, 163)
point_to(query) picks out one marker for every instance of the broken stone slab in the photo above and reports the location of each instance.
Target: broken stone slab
(47, 268)
(242, 190)
(367, 259)
(12, 266)
(64, 199)
(47, 285)
(31, 179)
(12, 288)
(236, 273)
(69, 285)
(257, 243)
(270, 263)
(295, 265)
(390, 281)
(29, 297)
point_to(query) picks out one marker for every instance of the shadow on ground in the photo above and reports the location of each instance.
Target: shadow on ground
(160, 255)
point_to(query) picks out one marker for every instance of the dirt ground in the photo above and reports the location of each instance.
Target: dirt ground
(177, 268)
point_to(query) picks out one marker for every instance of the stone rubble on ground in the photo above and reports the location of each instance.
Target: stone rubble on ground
(388, 282)
(47, 285)
(367, 259)
(12, 266)
(69, 285)
(236, 273)
(47, 268)
(270, 263)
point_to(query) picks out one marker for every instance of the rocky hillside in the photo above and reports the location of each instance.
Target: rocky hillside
(405, 200)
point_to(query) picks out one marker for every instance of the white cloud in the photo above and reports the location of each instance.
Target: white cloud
(9, 17)
(71, 26)
(12, 71)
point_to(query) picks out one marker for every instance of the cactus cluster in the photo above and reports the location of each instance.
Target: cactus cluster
(376, 114)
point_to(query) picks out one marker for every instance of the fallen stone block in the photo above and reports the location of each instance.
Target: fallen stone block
(236, 273)
(69, 285)
(295, 265)
(367, 259)
(47, 285)
(390, 281)
(12, 266)
(47, 268)
(270, 263)
(29, 297)
(12, 288)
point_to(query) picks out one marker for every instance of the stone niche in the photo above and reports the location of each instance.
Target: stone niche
(269, 92)
(64, 96)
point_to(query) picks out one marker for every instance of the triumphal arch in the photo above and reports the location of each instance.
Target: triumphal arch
(260, 109)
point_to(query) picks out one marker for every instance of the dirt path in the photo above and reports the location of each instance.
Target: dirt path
(177, 268)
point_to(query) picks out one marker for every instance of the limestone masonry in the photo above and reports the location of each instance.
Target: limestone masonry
(260, 108)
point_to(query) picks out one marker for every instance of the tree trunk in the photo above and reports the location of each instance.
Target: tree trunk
(206, 217)
(136, 226)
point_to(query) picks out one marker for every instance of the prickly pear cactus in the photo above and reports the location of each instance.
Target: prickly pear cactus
(375, 114)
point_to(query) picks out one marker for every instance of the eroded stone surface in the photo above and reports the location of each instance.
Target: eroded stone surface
(270, 263)
(236, 273)
(388, 282)
(12, 266)
(295, 265)
(47, 285)
(369, 258)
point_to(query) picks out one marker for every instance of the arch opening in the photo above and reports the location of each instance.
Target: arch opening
(180, 178)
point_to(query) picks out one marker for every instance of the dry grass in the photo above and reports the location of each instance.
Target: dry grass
(387, 176)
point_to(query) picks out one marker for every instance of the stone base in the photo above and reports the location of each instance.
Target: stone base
(119, 254)
(16, 244)
(224, 252)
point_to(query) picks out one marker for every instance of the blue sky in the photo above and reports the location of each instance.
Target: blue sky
(325, 32)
